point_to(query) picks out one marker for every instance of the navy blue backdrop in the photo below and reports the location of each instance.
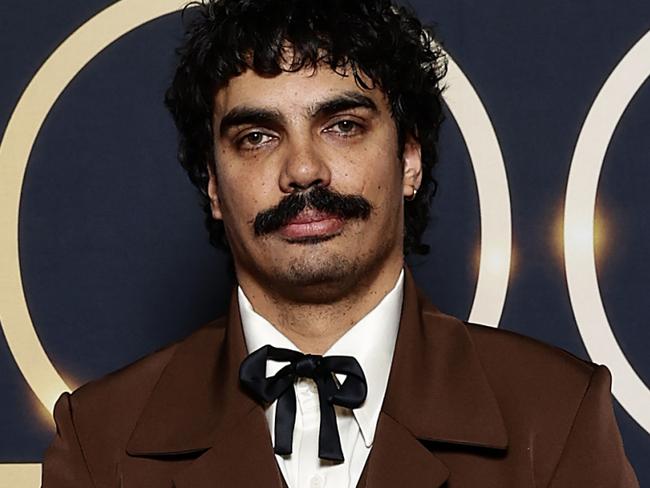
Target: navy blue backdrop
(114, 258)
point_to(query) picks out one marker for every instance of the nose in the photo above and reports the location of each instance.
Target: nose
(303, 167)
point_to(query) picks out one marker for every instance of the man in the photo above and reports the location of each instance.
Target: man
(310, 128)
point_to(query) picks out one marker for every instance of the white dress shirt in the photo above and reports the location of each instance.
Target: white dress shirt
(372, 342)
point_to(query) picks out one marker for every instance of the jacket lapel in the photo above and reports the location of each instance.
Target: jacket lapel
(437, 394)
(243, 458)
(398, 458)
(198, 418)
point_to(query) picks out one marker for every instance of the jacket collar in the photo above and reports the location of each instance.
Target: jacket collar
(437, 387)
(437, 391)
(198, 393)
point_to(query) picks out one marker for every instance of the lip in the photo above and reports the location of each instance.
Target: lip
(311, 223)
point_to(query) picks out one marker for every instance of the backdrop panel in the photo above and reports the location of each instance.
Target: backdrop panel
(103, 254)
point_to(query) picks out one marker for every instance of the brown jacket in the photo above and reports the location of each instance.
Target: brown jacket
(466, 406)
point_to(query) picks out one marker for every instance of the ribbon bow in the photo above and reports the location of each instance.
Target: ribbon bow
(350, 394)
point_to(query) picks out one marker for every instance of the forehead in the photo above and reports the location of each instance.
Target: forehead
(291, 91)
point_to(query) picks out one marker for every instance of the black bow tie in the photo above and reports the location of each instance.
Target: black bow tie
(350, 394)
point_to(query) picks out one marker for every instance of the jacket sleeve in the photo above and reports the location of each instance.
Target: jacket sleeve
(65, 464)
(593, 454)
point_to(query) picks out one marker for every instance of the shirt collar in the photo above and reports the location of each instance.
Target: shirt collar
(371, 341)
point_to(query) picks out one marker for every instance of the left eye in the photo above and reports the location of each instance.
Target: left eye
(344, 127)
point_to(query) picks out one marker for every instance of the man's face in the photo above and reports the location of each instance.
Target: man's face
(303, 134)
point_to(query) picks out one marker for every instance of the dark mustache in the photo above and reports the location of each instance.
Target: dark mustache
(318, 198)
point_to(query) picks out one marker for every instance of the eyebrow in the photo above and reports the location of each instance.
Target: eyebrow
(345, 101)
(250, 115)
(245, 115)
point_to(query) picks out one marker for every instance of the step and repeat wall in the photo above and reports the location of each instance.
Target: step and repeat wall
(540, 224)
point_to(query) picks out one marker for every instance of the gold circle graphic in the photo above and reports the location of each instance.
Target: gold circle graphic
(69, 59)
(579, 211)
(23, 127)
(88, 41)
(491, 179)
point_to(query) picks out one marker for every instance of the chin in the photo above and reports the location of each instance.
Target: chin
(318, 279)
(315, 271)
(323, 271)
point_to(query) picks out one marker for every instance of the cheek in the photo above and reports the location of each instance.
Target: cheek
(363, 170)
(243, 197)
(379, 178)
(384, 189)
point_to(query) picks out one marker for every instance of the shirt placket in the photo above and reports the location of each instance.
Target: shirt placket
(309, 462)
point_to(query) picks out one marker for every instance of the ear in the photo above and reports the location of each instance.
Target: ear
(215, 204)
(412, 163)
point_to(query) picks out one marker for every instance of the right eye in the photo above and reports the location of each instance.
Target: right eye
(254, 139)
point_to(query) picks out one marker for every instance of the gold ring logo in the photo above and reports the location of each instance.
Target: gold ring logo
(493, 196)
(580, 205)
(31, 110)
(49, 83)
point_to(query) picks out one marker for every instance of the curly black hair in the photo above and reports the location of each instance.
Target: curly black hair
(384, 41)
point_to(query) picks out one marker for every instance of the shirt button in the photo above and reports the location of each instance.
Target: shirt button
(316, 481)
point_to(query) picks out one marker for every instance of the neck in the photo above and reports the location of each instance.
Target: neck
(315, 325)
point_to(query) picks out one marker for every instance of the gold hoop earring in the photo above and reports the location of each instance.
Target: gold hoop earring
(412, 197)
